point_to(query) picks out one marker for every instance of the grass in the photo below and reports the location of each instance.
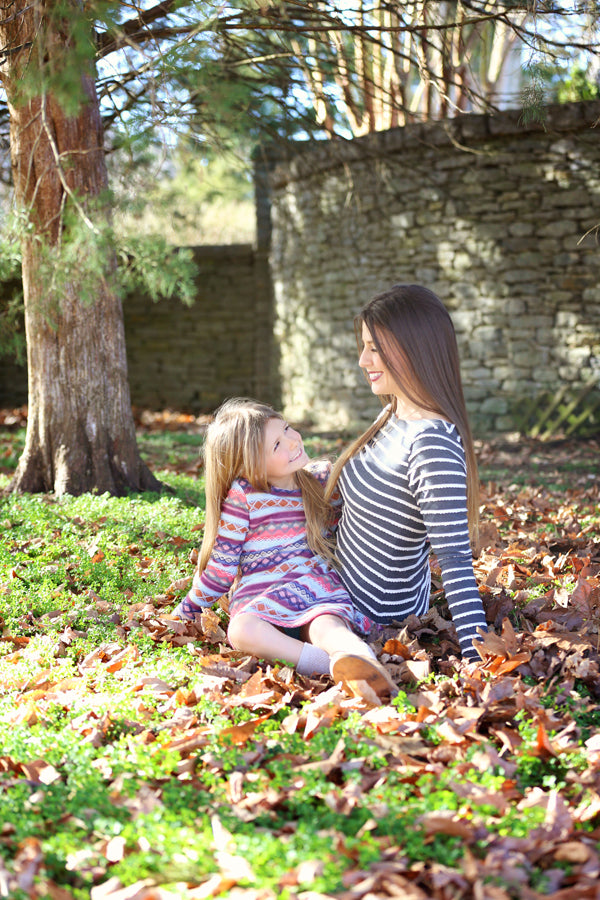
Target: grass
(124, 756)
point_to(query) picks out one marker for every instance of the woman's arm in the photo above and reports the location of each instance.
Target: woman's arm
(437, 473)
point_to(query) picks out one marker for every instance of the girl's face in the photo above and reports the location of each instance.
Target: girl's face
(284, 454)
(382, 380)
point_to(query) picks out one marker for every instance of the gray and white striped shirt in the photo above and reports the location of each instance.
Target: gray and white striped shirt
(404, 494)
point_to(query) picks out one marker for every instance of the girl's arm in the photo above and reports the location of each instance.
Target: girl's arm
(224, 561)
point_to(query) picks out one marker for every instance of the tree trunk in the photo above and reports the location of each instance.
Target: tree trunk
(80, 429)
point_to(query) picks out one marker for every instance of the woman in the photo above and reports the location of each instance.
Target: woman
(409, 484)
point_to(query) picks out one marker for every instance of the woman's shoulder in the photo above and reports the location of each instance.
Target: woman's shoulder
(409, 431)
(435, 442)
(431, 426)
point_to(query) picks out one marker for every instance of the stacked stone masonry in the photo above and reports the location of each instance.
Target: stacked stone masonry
(498, 217)
(191, 358)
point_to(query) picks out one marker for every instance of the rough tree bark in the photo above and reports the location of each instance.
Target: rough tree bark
(80, 431)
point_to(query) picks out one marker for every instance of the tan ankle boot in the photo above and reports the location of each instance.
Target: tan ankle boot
(350, 669)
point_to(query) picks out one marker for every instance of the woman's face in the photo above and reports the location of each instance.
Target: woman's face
(381, 379)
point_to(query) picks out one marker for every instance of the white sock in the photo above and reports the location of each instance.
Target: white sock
(313, 661)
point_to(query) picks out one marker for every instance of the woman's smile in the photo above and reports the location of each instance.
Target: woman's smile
(381, 379)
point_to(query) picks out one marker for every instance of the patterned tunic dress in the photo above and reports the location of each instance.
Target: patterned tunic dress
(403, 495)
(262, 537)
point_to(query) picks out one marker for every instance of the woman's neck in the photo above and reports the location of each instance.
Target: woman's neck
(403, 408)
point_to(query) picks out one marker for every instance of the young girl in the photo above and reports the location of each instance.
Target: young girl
(409, 484)
(267, 521)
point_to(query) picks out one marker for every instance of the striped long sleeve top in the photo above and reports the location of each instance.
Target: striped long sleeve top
(403, 495)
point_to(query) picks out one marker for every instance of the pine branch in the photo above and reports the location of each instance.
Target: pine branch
(135, 30)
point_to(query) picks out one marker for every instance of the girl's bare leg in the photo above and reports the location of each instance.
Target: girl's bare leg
(343, 653)
(331, 634)
(250, 634)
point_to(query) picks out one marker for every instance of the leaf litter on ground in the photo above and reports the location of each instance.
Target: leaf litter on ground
(142, 757)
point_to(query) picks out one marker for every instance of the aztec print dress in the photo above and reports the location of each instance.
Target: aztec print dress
(262, 538)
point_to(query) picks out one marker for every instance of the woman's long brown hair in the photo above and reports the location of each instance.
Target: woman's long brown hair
(413, 332)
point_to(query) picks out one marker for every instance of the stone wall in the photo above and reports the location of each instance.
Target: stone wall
(193, 358)
(498, 217)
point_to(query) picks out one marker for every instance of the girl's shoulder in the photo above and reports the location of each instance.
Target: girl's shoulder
(320, 469)
(240, 484)
(243, 499)
(240, 489)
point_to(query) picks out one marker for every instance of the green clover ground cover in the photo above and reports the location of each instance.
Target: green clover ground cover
(134, 753)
